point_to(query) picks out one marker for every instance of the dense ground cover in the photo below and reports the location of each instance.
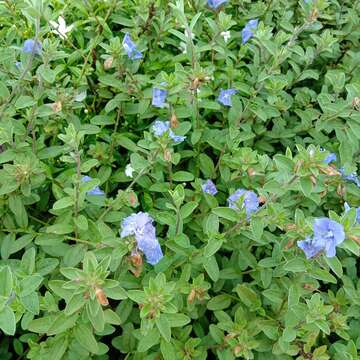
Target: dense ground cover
(179, 179)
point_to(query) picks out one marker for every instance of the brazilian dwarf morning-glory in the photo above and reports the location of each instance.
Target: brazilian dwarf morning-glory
(141, 226)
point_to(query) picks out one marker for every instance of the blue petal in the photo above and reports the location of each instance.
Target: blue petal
(31, 46)
(310, 247)
(214, 4)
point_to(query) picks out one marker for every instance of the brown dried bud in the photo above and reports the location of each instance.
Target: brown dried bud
(195, 83)
(56, 106)
(251, 172)
(237, 350)
(290, 226)
(355, 238)
(314, 14)
(356, 102)
(136, 259)
(262, 199)
(191, 296)
(167, 155)
(341, 190)
(313, 179)
(329, 170)
(289, 245)
(323, 193)
(108, 63)
(298, 165)
(174, 123)
(133, 199)
(101, 297)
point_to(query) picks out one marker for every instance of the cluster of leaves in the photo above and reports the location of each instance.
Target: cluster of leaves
(228, 286)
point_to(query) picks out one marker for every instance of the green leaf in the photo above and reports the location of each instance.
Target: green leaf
(187, 209)
(86, 338)
(212, 247)
(7, 321)
(248, 296)
(150, 339)
(63, 203)
(183, 176)
(323, 275)
(219, 302)
(335, 265)
(167, 350)
(163, 325)
(295, 265)
(212, 268)
(6, 281)
(226, 213)
(306, 186)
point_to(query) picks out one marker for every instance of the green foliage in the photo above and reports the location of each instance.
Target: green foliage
(229, 285)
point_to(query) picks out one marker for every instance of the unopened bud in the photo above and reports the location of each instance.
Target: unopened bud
(298, 165)
(167, 155)
(195, 83)
(323, 193)
(56, 106)
(290, 226)
(108, 63)
(136, 259)
(101, 297)
(174, 123)
(289, 245)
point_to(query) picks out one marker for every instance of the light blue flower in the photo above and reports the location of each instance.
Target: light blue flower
(209, 187)
(347, 208)
(215, 4)
(96, 191)
(330, 158)
(225, 96)
(130, 48)
(159, 128)
(350, 177)
(250, 201)
(141, 226)
(327, 235)
(248, 31)
(310, 246)
(159, 96)
(30, 46)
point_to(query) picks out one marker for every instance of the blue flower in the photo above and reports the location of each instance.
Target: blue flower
(159, 128)
(327, 235)
(330, 158)
(96, 190)
(351, 177)
(310, 247)
(159, 96)
(130, 48)
(30, 46)
(209, 187)
(141, 226)
(247, 32)
(225, 96)
(250, 201)
(214, 4)
(347, 208)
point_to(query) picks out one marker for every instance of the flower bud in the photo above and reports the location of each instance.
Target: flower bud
(108, 63)
(56, 106)
(237, 350)
(191, 296)
(356, 102)
(167, 155)
(314, 14)
(133, 199)
(341, 190)
(313, 179)
(262, 199)
(251, 172)
(101, 297)
(329, 170)
(174, 123)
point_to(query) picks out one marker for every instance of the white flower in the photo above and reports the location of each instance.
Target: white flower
(60, 27)
(129, 170)
(226, 35)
